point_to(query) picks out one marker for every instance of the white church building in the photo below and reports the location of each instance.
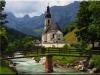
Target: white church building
(52, 35)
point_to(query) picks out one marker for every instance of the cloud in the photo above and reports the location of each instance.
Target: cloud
(32, 7)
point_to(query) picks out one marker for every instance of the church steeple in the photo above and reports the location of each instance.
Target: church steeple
(48, 14)
(52, 35)
(47, 17)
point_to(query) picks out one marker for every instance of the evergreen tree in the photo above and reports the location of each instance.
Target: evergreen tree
(94, 27)
(3, 36)
(88, 21)
(2, 14)
(83, 20)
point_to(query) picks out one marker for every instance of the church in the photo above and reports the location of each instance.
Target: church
(52, 35)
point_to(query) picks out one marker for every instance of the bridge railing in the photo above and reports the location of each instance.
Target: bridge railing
(63, 51)
(59, 52)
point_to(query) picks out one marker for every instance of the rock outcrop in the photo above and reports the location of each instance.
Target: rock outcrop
(84, 66)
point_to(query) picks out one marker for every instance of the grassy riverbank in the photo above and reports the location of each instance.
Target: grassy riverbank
(63, 60)
(96, 60)
(4, 69)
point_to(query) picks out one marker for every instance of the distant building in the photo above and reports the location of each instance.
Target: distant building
(52, 35)
(97, 45)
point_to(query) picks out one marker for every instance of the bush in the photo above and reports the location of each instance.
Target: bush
(96, 60)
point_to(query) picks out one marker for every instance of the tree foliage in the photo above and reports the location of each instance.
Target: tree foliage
(3, 37)
(83, 20)
(88, 21)
(10, 39)
(94, 27)
(69, 28)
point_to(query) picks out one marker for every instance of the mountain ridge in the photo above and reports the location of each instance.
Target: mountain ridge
(63, 15)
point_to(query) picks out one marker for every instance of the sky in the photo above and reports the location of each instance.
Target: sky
(32, 8)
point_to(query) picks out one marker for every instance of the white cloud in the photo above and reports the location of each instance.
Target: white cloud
(32, 7)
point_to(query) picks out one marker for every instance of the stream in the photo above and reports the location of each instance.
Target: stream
(30, 66)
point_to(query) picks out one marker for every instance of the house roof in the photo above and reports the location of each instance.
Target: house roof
(52, 27)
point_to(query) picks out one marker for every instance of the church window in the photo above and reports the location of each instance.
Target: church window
(53, 35)
(48, 21)
(45, 41)
(58, 38)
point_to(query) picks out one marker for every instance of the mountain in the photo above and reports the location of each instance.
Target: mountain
(62, 15)
(13, 34)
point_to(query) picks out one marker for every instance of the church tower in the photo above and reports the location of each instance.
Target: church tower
(47, 18)
(52, 35)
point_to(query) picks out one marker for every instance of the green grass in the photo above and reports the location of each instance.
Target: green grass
(71, 37)
(65, 60)
(96, 60)
(5, 70)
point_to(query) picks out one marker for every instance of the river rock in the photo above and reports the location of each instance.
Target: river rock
(97, 70)
(12, 65)
(90, 65)
(42, 60)
(68, 65)
(85, 62)
(79, 67)
(91, 71)
(55, 64)
(76, 68)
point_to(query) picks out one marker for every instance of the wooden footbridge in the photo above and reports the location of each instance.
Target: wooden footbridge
(57, 52)
(50, 52)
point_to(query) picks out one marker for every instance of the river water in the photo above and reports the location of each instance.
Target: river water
(30, 66)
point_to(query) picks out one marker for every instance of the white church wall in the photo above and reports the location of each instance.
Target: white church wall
(44, 38)
(46, 21)
(54, 45)
(59, 36)
(48, 37)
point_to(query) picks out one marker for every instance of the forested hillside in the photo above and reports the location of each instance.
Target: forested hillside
(88, 29)
(62, 15)
(10, 39)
